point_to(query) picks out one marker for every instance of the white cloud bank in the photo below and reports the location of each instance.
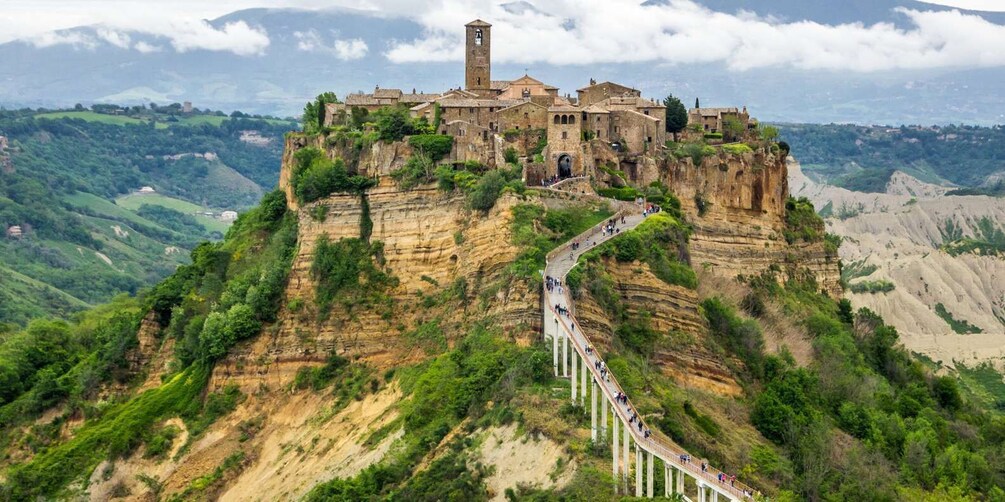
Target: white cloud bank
(607, 31)
(184, 36)
(345, 50)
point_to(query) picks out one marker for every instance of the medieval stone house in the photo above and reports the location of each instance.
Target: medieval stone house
(485, 113)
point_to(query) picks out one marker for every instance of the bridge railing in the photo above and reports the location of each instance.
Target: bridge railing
(659, 445)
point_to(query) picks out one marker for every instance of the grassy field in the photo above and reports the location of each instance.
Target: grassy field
(92, 117)
(192, 120)
(104, 207)
(135, 200)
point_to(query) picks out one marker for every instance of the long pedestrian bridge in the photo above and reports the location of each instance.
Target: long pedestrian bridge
(563, 331)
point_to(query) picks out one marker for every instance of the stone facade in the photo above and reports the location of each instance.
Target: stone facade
(478, 57)
(526, 115)
(594, 93)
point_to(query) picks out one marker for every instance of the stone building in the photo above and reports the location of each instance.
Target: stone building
(711, 120)
(483, 116)
(595, 92)
(14, 232)
(522, 116)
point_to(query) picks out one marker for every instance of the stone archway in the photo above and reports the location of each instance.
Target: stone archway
(564, 166)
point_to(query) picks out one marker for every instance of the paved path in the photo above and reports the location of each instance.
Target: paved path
(560, 261)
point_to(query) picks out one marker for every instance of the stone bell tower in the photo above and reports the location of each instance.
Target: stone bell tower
(477, 57)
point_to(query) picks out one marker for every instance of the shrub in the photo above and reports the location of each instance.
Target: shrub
(713, 135)
(315, 176)
(510, 155)
(487, 191)
(418, 169)
(435, 146)
(393, 123)
(872, 287)
(802, 221)
(624, 193)
(737, 148)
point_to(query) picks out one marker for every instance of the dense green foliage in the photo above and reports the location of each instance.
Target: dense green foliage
(483, 188)
(911, 429)
(314, 112)
(802, 222)
(346, 273)
(676, 115)
(436, 146)
(315, 176)
(863, 157)
(224, 296)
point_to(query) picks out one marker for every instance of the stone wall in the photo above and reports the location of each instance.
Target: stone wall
(639, 133)
(524, 116)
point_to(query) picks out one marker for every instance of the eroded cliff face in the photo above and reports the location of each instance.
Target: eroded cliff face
(431, 241)
(674, 312)
(376, 159)
(736, 204)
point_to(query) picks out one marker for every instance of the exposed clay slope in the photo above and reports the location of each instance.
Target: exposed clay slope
(901, 234)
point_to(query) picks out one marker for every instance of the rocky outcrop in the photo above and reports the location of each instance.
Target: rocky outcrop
(736, 204)
(431, 241)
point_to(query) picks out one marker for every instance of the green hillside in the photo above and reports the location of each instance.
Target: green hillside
(71, 186)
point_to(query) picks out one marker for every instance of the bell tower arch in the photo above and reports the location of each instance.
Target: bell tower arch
(477, 57)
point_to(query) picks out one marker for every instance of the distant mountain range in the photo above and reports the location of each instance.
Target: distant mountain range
(285, 76)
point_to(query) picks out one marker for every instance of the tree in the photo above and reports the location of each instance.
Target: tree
(676, 115)
(769, 133)
(732, 128)
(696, 104)
(314, 112)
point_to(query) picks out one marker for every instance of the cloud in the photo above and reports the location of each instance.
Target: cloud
(76, 40)
(116, 38)
(566, 32)
(236, 37)
(184, 36)
(146, 48)
(346, 50)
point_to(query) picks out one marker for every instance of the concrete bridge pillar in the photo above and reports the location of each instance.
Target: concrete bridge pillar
(638, 470)
(575, 376)
(715, 496)
(680, 481)
(702, 493)
(649, 474)
(614, 447)
(554, 340)
(624, 451)
(586, 370)
(667, 480)
(603, 418)
(593, 411)
(565, 354)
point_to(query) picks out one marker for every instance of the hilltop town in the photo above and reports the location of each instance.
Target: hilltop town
(602, 122)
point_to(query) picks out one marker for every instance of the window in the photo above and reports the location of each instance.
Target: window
(556, 119)
(646, 112)
(471, 110)
(572, 119)
(598, 133)
(565, 119)
(478, 36)
(649, 139)
(480, 83)
(526, 115)
(565, 135)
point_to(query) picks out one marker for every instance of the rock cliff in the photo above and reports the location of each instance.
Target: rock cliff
(431, 241)
(736, 204)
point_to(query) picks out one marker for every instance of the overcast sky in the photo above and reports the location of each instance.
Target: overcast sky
(683, 30)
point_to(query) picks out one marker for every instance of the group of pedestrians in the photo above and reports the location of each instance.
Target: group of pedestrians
(547, 182)
(727, 478)
(651, 209)
(552, 284)
(562, 311)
